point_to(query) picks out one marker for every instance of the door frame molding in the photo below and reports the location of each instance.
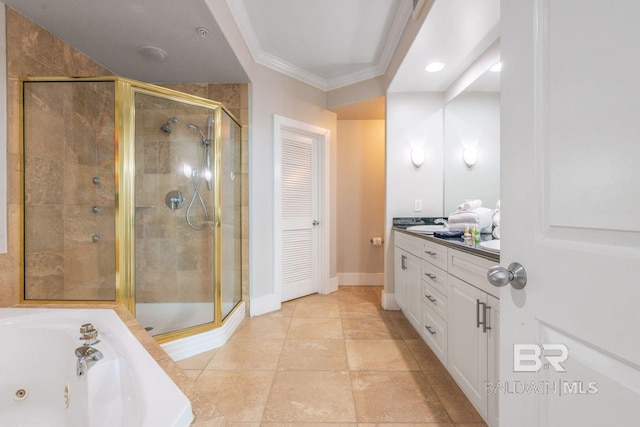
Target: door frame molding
(323, 137)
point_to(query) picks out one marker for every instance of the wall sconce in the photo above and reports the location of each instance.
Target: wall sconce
(417, 156)
(470, 156)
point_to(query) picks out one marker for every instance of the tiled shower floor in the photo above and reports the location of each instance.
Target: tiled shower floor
(330, 360)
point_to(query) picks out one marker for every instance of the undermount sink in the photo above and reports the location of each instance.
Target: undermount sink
(427, 228)
(491, 245)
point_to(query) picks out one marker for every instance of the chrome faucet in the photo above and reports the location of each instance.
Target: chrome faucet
(441, 221)
(87, 356)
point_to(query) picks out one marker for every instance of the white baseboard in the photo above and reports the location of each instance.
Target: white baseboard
(361, 279)
(331, 287)
(265, 304)
(389, 301)
(196, 344)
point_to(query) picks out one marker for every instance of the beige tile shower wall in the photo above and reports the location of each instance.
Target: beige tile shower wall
(174, 262)
(31, 51)
(69, 134)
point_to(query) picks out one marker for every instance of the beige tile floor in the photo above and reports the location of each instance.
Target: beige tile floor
(330, 360)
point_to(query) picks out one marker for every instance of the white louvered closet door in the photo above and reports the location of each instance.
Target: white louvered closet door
(299, 216)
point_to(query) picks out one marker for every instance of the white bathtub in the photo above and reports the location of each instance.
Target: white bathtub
(39, 385)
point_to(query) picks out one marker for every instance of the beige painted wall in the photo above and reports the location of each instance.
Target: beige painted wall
(361, 195)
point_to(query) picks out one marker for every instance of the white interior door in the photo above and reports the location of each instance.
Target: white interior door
(570, 182)
(300, 216)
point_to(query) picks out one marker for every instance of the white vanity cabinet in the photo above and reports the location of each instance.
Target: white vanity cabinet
(457, 312)
(408, 268)
(473, 330)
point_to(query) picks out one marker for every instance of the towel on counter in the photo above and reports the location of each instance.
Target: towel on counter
(496, 233)
(470, 205)
(496, 219)
(480, 217)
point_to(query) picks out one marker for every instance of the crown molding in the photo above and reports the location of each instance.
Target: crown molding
(278, 64)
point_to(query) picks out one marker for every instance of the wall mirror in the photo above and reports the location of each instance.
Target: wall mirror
(472, 135)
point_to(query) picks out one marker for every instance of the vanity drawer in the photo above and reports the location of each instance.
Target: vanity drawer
(434, 277)
(434, 332)
(411, 244)
(434, 299)
(435, 254)
(473, 270)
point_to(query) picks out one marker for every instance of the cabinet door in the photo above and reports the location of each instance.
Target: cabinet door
(493, 308)
(413, 289)
(399, 275)
(467, 343)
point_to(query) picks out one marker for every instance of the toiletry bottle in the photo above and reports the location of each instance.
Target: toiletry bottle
(467, 236)
(477, 236)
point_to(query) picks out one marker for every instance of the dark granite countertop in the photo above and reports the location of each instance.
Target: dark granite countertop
(451, 242)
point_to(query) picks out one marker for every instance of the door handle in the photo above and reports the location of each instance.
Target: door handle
(482, 322)
(402, 259)
(430, 298)
(431, 276)
(315, 222)
(500, 276)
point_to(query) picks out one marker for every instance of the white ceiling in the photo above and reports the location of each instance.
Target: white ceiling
(326, 43)
(456, 33)
(111, 33)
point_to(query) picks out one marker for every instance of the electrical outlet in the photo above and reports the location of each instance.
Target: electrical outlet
(417, 205)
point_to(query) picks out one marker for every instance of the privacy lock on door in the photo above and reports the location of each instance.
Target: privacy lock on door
(515, 274)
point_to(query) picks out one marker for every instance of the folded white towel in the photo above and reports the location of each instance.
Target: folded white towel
(461, 226)
(471, 204)
(480, 217)
(464, 216)
(496, 232)
(498, 205)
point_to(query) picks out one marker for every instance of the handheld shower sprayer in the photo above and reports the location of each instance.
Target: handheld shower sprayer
(166, 128)
(195, 128)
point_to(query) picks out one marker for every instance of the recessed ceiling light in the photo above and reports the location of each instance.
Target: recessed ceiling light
(434, 67)
(153, 52)
(496, 67)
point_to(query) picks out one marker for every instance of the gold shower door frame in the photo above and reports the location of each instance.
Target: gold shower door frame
(125, 91)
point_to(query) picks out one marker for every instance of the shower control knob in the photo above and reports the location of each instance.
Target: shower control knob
(96, 180)
(96, 209)
(174, 200)
(95, 238)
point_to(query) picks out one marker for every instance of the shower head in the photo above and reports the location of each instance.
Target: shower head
(166, 128)
(195, 128)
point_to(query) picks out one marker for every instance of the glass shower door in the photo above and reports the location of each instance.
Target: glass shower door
(231, 203)
(175, 211)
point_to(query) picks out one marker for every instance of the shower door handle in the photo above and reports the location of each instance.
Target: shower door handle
(315, 222)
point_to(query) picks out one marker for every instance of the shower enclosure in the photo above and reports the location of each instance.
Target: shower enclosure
(132, 193)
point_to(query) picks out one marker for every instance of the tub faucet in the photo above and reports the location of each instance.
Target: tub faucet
(87, 356)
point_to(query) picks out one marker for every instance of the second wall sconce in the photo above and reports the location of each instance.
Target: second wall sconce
(470, 156)
(417, 156)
